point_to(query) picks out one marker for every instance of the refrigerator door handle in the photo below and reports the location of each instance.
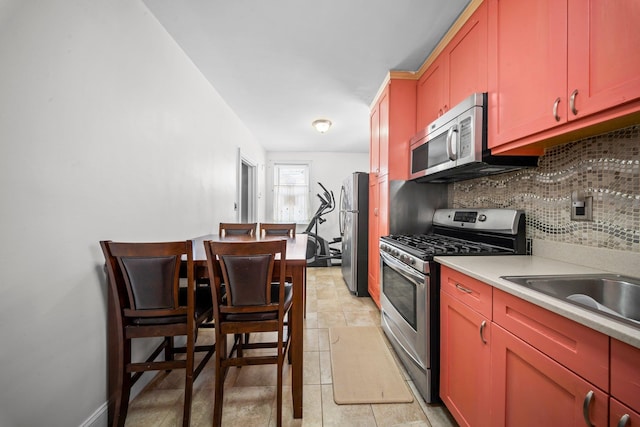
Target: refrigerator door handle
(341, 219)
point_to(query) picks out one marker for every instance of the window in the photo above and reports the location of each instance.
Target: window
(291, 192)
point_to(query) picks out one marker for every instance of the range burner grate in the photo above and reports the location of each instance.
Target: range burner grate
(429, 245)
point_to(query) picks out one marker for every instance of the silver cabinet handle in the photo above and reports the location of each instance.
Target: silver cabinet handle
(555, 109)
(624, 420)
(585, 408)
(482, 326)
(572, 102)
(463, 289)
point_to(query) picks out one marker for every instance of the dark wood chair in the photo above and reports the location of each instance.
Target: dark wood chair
(273, 229)
(144, 282)
(229, 228)
(246, 301)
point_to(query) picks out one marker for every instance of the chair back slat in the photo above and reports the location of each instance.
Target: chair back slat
(278, 229)
(230, 228)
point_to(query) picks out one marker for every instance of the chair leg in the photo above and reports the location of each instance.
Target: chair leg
(168, 350)
(123, 390)
(188, 383)
(279, 390)
(218, 393)
(122, 407)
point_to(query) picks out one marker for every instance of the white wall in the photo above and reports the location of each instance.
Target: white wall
(330, 169)
(107, 131)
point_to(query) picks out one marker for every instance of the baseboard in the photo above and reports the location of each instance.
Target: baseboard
(98, 419)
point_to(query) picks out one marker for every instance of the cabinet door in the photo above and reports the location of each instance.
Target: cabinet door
(527, 68)
(466, 57)
(378, 226)
(621, 415)
(604, 64)
(383, 212)
(530, 389)
(465, 362)
(373, 282)
(431, 94)
(374, 146)
(625, 373)
(383, 106)
(401, 125)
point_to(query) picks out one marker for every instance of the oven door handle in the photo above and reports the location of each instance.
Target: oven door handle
(415, 276)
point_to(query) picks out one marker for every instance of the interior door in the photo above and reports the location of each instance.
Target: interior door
(247, 184)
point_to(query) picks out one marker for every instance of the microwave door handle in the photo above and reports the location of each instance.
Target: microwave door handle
(452, 144)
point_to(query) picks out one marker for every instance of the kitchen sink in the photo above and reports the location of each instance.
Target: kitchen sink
(609, 294)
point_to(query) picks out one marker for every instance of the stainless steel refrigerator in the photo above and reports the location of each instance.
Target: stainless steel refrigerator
(354, 229)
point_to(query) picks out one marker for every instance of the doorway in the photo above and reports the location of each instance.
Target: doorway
(247, 183)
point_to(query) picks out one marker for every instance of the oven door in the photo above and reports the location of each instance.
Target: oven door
(403, 302)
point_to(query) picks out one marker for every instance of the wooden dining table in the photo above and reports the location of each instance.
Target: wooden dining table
(296, 269)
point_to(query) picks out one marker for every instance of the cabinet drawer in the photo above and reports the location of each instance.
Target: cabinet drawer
(625, 373)
(579, 348)
(468, 290)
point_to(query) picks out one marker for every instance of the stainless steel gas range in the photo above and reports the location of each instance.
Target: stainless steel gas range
(410, 281)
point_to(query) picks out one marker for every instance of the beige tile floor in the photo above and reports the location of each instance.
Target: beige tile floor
(250, 391)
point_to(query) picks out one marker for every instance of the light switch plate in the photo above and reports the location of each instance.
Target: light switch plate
(581, 207)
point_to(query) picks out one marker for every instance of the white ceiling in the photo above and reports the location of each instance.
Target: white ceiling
(280, 64)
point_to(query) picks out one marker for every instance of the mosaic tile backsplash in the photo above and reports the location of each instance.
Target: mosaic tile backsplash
(606, 167)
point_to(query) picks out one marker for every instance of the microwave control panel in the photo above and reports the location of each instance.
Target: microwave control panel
(466, 137)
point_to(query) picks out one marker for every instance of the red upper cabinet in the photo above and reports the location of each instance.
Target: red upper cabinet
(374, 148)
(393, 122)
(604, 55)
(466, 57)
(527, 68)
(459, 71)
(559, 66)
(431, 101)
(383, 131)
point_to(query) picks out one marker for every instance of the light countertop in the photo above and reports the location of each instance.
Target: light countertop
(488, 269)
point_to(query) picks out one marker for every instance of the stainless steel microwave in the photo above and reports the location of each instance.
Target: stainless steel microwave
(454, 146)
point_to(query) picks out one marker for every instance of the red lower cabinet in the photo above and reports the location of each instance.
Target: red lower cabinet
(530, 389)
(466, 360)
(506, 362)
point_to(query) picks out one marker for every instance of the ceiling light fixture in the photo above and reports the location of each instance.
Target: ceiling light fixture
(321, 125)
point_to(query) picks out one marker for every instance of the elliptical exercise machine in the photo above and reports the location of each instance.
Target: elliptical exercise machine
(319, 251)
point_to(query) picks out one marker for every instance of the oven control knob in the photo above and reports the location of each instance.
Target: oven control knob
(482, 217)
(411, 261)
(395, 253)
